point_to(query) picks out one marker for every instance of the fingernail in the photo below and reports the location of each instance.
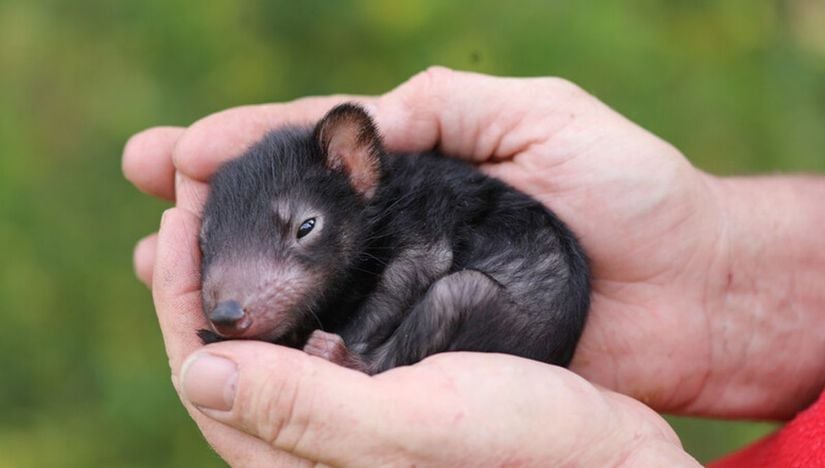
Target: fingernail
(209, 381)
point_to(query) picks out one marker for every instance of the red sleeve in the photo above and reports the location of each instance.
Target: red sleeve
(801, 443)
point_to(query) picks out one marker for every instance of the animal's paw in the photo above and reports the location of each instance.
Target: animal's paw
(327, 346)
(332, 348)
(208, 336)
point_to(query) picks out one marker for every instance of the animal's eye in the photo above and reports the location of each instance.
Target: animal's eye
(305, 228)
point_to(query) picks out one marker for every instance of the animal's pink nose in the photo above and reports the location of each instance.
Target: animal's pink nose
(229, 318)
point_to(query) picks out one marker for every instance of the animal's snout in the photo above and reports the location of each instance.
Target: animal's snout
(229, 318)
(255, 299)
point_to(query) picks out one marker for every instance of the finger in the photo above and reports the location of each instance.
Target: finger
(144, 258)
(300, 404)
(474, 116)
(176, 284)
(225, 135)
(469, 115)
(190, 193)
(147, 160)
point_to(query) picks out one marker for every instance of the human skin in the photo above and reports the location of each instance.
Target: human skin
(705, 290)
(264, 405)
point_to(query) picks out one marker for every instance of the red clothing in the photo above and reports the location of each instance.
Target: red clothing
(801, 443)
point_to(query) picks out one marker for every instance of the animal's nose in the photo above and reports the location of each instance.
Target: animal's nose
(228, 317)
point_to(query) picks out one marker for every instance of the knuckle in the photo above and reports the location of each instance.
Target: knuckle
(436, 73)
(427, 82)
(556, 86)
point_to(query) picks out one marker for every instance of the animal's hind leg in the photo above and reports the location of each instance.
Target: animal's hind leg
(436, 320)
(331, 347)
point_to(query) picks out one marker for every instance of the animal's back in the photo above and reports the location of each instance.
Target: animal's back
(317, 238)
(491, 228)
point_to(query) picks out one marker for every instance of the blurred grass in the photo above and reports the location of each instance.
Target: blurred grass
(739, 86)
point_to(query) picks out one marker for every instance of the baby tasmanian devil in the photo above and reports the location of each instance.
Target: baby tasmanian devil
(317, 239)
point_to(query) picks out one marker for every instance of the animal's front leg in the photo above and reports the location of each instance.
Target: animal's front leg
(403, 283)
(331, 347)
(458, 312)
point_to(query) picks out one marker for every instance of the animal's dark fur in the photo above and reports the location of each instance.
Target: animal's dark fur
(439, 257)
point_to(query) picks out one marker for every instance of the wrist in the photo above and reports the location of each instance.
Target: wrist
(765, 299)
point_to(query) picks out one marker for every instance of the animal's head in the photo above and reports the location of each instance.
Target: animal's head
(283, 224)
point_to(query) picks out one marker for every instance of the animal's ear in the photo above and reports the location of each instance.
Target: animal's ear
(350, 142)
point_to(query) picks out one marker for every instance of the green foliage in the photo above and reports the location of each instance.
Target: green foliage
(739, 86)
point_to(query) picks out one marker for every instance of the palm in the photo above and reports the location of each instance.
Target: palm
(636, 212)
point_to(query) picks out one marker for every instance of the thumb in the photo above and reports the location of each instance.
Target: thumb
(480, 117)
(297, 403)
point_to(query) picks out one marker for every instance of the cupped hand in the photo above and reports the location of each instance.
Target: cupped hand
(459, 409)
(649, 221)
(264, 405)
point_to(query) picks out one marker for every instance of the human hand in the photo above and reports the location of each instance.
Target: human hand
(457, 409)
(264, 405)
(653, 225)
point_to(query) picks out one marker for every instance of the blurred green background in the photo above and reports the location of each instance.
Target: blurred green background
(739, 86)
